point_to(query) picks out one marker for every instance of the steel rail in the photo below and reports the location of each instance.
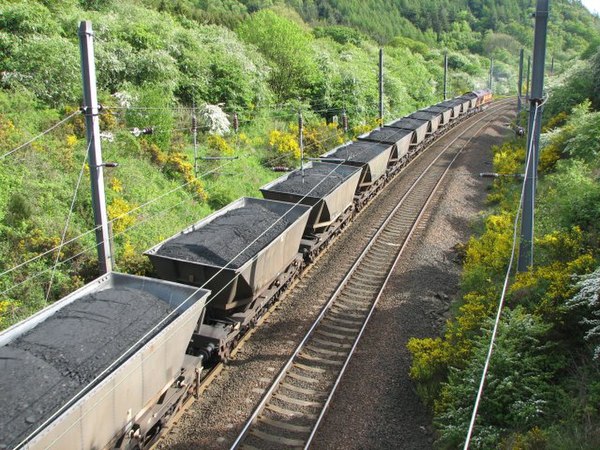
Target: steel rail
(404, 245)
(212, 373)
(345, 282)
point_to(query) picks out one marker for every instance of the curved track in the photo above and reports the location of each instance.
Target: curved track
(294, 405)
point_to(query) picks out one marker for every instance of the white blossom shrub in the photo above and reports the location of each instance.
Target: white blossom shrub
(588, 299)
(214, 120)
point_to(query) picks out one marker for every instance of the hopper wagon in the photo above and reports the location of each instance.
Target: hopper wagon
(329, 189)
(105, 366)
(445, 113)
(417, 126)
(244, 253)
(373, 159)
(433, 119)
(455, 106)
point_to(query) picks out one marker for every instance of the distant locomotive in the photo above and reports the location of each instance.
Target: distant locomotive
(109, 365)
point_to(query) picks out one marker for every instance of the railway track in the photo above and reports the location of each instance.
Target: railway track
(292, 408)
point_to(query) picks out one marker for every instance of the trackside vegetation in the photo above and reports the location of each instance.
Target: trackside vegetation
(159, 64)
(174, 72)
(543, 387)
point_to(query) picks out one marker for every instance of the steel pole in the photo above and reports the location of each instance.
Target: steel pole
(381, 86)
(195, 135)
(91, 112)
(445, 76)
(301, 141)
(491, 83)
(520, 87)
(533, 136)
(527, 86)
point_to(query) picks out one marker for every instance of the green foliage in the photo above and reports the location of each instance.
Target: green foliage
(587, 300)
(288, 47)
(584, 143)
(340, 34)
(570, 89)
(151, 109)
(519, 390)
(27, 18)
(318, 138)
(464, 63)
(542, 381)
(411, 44)
(571, 197)
(461, 36)
(47, 66)
(495, 43)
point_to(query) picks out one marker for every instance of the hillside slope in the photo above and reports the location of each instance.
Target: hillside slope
(160, 62)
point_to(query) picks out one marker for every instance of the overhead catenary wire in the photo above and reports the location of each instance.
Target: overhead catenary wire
(176, 310)
(160, 324)
(94, 246)
(64, 233)
(282, 110)
(43, 133)
(501, 301)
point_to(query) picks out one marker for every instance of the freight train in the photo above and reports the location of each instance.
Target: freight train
(110, 364)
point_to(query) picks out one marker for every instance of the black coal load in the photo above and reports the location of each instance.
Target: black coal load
(225, 237)
(440, 109)
(425, 115)
(408, 123)
(386, 135)
(361, 151)
(44, 368)
(30, 391)
(451, 103)
(317, 181)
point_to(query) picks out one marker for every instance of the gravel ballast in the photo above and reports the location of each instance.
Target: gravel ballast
(48, 365)
(217, 242)
(376, 398)
(231, 398)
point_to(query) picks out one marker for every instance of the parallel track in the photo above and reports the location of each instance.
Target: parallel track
(293, 407)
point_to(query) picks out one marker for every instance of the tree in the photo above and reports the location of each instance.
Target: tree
(288, 48)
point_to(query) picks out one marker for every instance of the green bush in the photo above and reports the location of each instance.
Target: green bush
(152, 108)
(340, 34)
(288, 48)
(571, 197)
(22, 18)
(519, 388)
(569, 90)
(47, 66)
